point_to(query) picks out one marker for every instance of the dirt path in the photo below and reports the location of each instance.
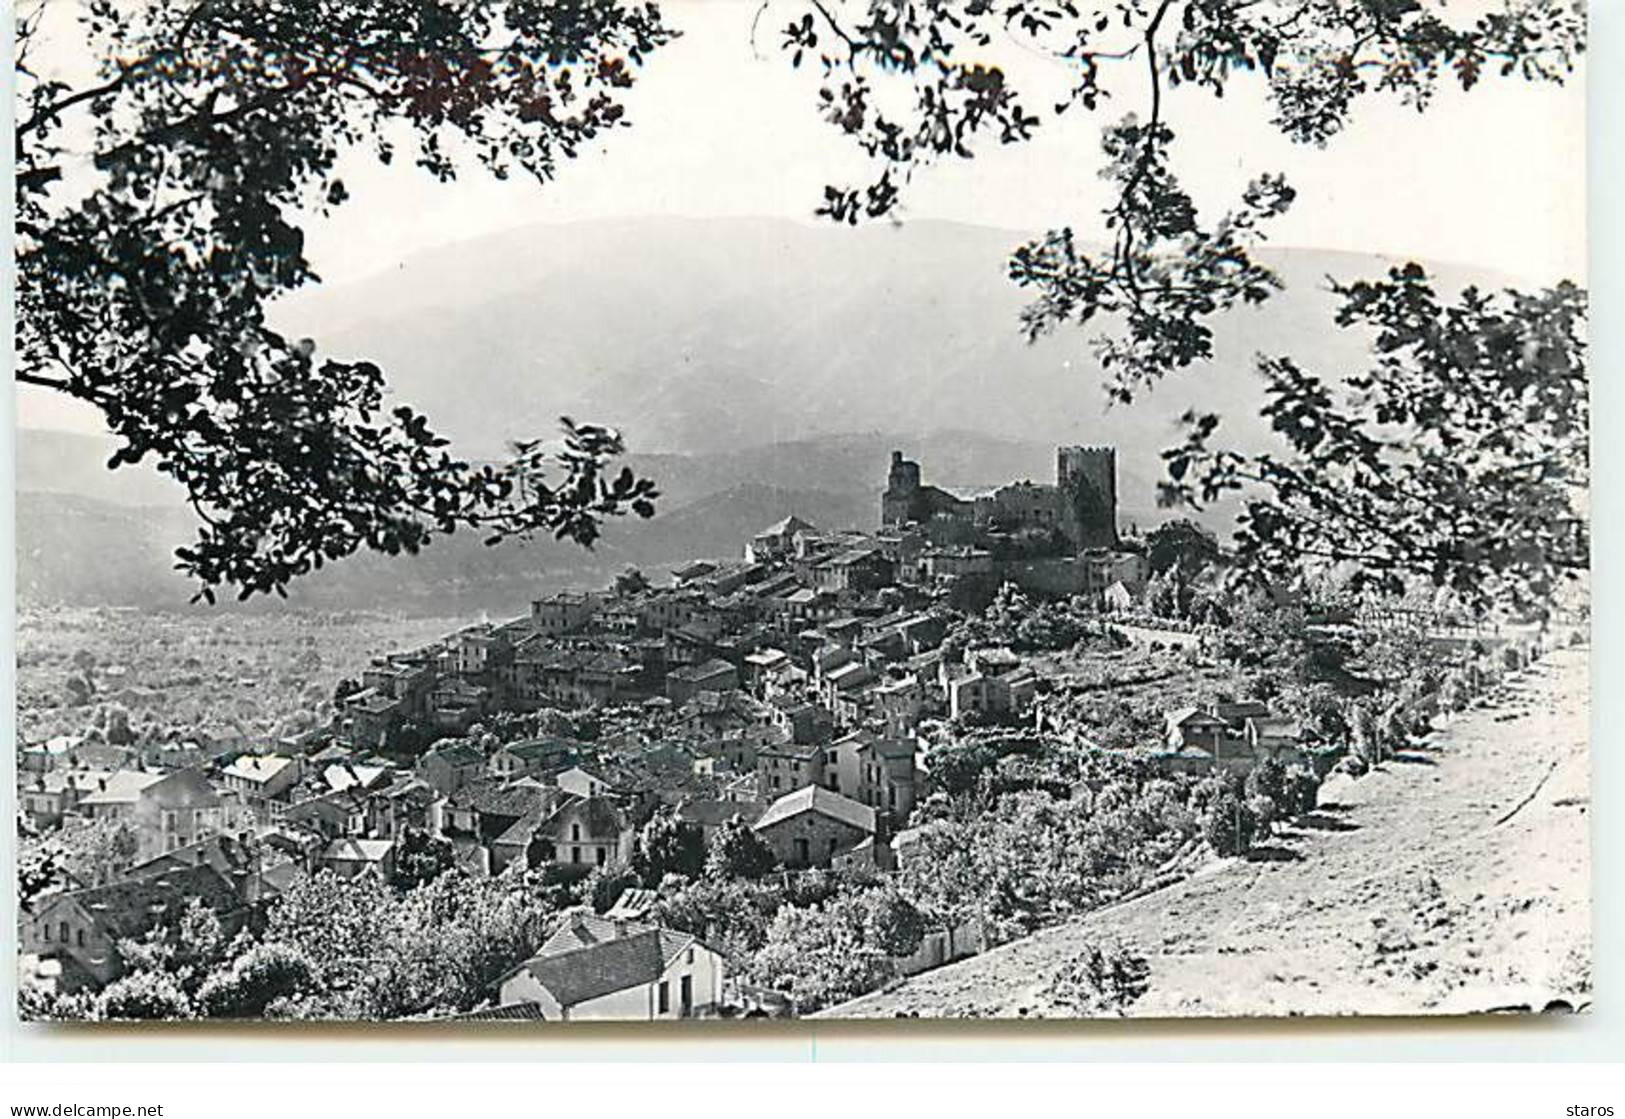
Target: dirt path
(1452, 880)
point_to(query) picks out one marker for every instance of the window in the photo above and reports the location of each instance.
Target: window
(663, 998)
(45, 931)
(690, 956)
(575, 854)
(63, 929)
(891, 796)
(687, 987)
(79, 938)
(575, 832)
(603, 856)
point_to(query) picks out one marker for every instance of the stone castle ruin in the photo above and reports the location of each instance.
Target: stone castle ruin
(1081, 505)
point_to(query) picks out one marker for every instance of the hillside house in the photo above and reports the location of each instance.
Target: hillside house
(584, 783)
(812, 826)
(777, 540)
(351, 858)
(47, 796)
(263, 781)
(537, 757)
(586, 832)
(177, 811)
(330, 815)
(563, 613)
(83, 928)
(115, 796)
(448, 767)
(1276, 737)
(714, 675)
(627, 973)
(784, 767)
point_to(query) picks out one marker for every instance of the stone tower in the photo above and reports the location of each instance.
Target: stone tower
(897, 505)
(1087, 479)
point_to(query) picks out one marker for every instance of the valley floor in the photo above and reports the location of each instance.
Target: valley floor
(1454, 879)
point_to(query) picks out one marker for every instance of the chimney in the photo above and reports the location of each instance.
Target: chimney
(620, 927)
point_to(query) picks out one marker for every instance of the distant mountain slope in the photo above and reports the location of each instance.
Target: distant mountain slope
(80, 550)
(704, 336)
(756, 367)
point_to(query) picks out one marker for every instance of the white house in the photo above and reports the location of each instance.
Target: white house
(618, 971)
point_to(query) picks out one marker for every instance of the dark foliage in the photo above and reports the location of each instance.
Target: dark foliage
(143, 279)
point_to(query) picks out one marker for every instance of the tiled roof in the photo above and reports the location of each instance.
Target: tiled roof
(583, 974)
(492, 797)
(257, 767)
(345, 776)
(1185, 715)
(456, 754)
(711, 813)
(583, 930)
(788, 527)
(123, 787)
(221, 852)
(131, 906)
(816, 798)
(358, 850)
(512, 1012)
(541, 748)
(600, 815)
(62, 779)
(710, 668)
(894, 747)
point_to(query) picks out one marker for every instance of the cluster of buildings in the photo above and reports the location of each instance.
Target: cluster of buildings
(782, 690)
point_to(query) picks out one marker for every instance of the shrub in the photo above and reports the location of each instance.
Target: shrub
(144, 996)
(738, 852)
(1229, 825)
(257, 978)
(1100, 981)
(1303, 789)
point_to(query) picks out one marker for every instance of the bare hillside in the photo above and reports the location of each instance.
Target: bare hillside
(1451, 881)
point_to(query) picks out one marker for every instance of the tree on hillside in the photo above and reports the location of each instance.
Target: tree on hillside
(213, 128)
(1180, 543)
(1479, 493)
(1460, 457)
(666, 845)
(736, 851)
(630, 581)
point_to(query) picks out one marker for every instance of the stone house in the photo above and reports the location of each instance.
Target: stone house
(714, 675)
(812, 826)
(783, 767)
(446, 768)
(83, 928)
(181, 809)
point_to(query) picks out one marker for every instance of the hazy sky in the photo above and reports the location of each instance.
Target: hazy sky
(719, 127)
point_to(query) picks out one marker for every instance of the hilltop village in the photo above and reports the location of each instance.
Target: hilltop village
(811, 713)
